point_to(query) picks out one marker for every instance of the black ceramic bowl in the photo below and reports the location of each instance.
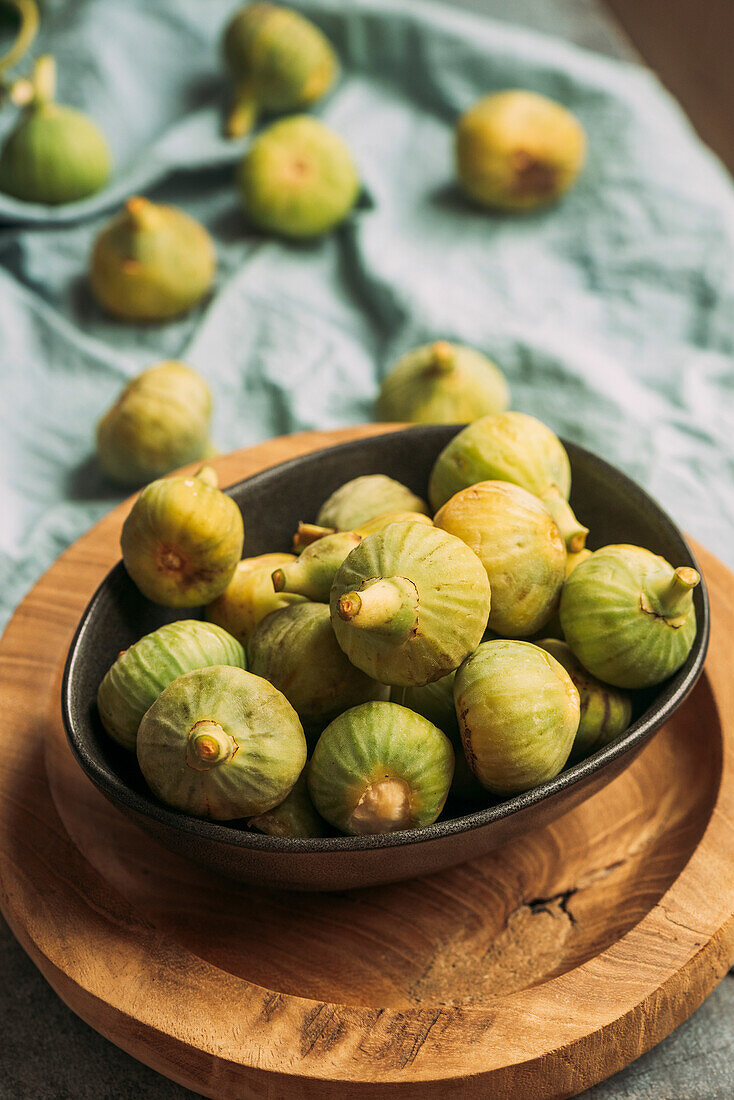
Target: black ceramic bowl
(615, 510)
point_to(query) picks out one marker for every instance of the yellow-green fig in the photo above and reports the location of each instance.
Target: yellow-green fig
(517, 541)
(514, 447)
(54, 154)
(309, 533)
(221, 743)
(250, 596)
(363, 499)
(295, 649)
(518, 713)
(628, 615)
(294, 816)
(159, 422)
(442, 383)
(409, 604)
(605, 711)
(182, 540)
(278, 60)
(298, 179)
(372, 526)
(380, 768)
(142, 671)
(151, 262)
(312, 574)
(517, 150)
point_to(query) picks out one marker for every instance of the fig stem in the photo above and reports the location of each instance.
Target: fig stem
(308, 533)
(44, 79)
(671, 597)
(208, 746)
(383, 808)
(442, 357)
(389, 605)
(208, 475)
(29, 21)
(243, 112)
(299, 580)
(312, 575)
(143, 213)
(573, 533)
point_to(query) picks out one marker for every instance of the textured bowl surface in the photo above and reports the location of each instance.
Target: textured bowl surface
(609, 503)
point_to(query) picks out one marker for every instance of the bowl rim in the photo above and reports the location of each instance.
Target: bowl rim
(674, 692)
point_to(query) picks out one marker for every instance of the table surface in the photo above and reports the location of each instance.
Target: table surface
(47, 1053)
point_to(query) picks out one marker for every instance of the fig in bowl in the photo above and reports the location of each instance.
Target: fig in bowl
(273, 502)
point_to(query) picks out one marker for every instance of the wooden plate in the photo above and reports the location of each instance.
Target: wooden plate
(534, 971)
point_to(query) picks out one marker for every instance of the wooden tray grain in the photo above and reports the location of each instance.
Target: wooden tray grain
(532, 972)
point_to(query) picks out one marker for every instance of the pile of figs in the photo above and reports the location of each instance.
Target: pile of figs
(407, 651)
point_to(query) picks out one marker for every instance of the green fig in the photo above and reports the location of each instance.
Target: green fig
(380, 768)
(142, 671)
(249, 596)
(435, 702)
(309, 533)
(605, 711)
(516, 539)
(442, 383)
(510, 447)
(628, 615)
(298, 179)
(409, 604)
(312, 574)
(295, 649)
(518, 712)
(159, 422)
(221, 743)
(363, 499)
(295, 816)
(55, 154)
(517, 150)
(378, 523)
(182, 540)
(279, 61)
(151, 263)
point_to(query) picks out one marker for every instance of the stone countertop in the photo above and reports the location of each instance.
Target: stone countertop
(48, 1053)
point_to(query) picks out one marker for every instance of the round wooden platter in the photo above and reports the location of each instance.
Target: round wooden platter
(532, 972)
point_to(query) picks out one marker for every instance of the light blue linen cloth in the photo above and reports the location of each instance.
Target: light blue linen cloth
(612, 314)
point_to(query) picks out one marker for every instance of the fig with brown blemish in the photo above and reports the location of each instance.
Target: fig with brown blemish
(517, 150)
(182, 540)
(518, 713)
(629, 616)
